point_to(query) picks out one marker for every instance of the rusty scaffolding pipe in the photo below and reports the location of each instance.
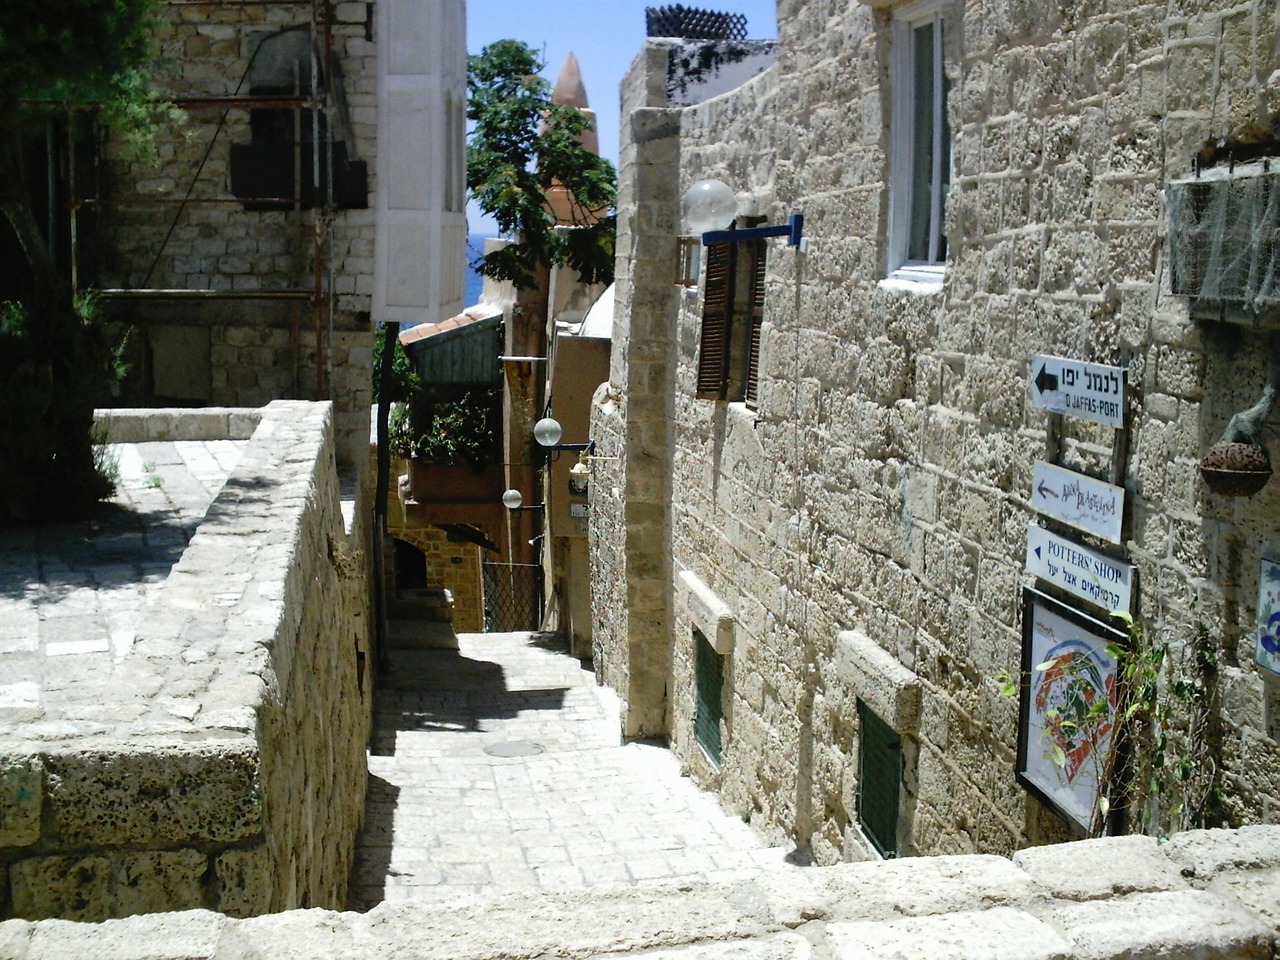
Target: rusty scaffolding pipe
(319, 102)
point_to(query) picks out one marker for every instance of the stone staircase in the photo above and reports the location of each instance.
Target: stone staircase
(421, 619)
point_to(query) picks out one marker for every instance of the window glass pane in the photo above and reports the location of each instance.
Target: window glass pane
(922, 143)
(879, 779)
(708, 710)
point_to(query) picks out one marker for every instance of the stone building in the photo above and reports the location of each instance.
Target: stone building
(815, 566)
(251, 256)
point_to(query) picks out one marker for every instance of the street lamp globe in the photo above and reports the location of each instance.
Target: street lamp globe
(512, 499)
(708, 205)
(547, 431)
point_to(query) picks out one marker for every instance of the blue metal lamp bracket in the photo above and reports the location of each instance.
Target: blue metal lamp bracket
(793, 230)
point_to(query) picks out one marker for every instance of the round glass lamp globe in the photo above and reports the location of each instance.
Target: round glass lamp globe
(708, 205)
(547, 431)
(512, 499)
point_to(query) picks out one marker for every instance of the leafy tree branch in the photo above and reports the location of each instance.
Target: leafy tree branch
(521, 146)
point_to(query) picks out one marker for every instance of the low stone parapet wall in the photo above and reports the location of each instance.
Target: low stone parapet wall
(220, 762)
(1209, 895)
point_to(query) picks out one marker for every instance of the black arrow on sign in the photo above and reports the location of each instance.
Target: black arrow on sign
(1046, 381)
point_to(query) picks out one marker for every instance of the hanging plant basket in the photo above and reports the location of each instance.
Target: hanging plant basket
(1235, 469)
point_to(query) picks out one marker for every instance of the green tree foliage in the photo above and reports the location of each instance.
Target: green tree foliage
(56, 361)
(521, 144)
(405, 382)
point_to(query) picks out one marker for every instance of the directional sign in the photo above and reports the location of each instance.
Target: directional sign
(1077, 389)
(1090, 575)
(1079, 501)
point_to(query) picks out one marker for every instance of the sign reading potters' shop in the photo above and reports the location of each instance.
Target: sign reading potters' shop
(1093, 506)
(1090, 391)
(1087, 574)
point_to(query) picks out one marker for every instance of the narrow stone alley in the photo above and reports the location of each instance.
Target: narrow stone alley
(499, 766)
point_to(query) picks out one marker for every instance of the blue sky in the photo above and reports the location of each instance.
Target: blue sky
(605, 35)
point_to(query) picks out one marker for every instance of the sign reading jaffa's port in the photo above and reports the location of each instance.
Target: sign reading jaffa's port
(1090, 391)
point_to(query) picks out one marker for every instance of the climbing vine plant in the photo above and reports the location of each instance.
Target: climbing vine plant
(1163, 766)
(1153, 741)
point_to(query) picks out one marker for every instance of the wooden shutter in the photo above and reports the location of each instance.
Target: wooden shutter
(709, 706)
(752, 380)
(717, 305)
(879, 780)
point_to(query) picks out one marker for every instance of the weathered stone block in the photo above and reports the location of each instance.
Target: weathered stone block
(709, 613)
(180, 794)
(245, 882)
(15, 935)
(999, 934)
(154, 881)
(876, 676)
(1180, 924)
(1204, 854)
(885, 890)
(192, 935)
(73, 888)
(1105, 867)
(21, 796)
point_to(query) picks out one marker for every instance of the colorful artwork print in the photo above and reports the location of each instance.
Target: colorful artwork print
(1268, 655)
(1064, 696)
(1069, 708)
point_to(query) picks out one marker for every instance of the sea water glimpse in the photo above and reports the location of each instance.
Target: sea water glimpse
(475, 247)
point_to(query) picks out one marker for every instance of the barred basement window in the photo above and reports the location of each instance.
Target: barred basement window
(729, 348)
(879, 780)
(708, 706)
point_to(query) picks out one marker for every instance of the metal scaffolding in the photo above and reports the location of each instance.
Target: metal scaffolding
(315, 105)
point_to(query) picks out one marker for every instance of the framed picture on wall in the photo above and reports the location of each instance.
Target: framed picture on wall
(1067, 706)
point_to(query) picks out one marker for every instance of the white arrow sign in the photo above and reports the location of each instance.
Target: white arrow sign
(1090, 575)
(1079, 501)
(1087, 390)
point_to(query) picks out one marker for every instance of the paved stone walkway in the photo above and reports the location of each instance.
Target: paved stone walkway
(446, 815)
(72, 595)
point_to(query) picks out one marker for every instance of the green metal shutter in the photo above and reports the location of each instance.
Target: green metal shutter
(879, 780)
(717, 306)
(708, 710)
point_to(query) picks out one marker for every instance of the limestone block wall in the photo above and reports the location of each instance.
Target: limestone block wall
(454, 567)
(882, 489)
(222, 763)
(1205, 894)
(629, 533)
(236, 352)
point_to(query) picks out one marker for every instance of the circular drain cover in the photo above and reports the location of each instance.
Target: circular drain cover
(514, 748)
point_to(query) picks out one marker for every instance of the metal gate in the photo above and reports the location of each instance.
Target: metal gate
(512, 597)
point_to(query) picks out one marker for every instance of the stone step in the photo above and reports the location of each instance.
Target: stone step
(421, 634)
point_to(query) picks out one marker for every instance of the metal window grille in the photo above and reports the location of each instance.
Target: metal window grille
(512, 597)
(709, 708)
(1224, 237)
(879, 780)
(691, 23)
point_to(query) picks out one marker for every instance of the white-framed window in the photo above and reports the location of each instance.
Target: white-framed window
(920, 142)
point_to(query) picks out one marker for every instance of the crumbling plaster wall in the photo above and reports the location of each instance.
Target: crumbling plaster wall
(227, 767)
(883, 488)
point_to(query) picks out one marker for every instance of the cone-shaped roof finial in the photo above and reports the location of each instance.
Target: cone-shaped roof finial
(569, 89)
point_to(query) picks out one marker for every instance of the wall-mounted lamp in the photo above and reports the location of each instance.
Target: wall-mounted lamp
(709, 207)
(548, 431)
(513, 500)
